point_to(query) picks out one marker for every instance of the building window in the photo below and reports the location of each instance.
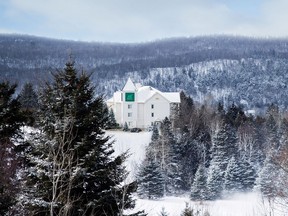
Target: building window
(129, 106)
(129, 114)
(152, 106)
(152, 114)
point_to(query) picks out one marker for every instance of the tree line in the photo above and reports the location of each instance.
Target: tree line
(211, 153)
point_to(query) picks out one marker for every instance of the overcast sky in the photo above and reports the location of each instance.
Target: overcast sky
(143, 20)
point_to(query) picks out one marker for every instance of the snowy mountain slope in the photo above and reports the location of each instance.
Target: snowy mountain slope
(220, 68)
(250, 204)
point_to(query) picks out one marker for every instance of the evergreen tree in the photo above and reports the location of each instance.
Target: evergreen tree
(188, 211)
(155, 133)
(125, 127)
(168, 157)
(233, 177)
(224, 146)
(163, 212)
(268, 178)
(29, 102)
(150, 180)
(28, 97)
(111, 123)
(199, 189)
(11, 119)
(272, 136)
(215, 182)
(70, 169)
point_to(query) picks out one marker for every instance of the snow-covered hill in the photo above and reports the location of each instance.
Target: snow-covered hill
(250, 204)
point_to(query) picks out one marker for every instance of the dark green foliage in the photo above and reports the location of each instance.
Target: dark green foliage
(70, 167)
(268, 179)
(224, 146)
(163, 212)
(239, 176)
(111, 122)
(215, 182)
(155, 133)
(188, 211)
(125, 127)
(150, 180)
(29, 102)
(11, 118)
(199, 186)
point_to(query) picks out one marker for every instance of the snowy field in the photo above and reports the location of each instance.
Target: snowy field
(241, 205)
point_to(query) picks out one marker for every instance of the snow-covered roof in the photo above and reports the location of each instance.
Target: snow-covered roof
(129, 86)
(144, 93)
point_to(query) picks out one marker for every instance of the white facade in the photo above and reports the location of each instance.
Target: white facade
(142, 106)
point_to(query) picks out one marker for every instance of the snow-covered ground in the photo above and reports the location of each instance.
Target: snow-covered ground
(240, 205)
(135, 143)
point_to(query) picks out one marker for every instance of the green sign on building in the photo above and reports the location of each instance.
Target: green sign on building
(130, 97)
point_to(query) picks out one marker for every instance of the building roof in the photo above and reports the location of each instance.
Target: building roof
(144, 93)
(129, 86)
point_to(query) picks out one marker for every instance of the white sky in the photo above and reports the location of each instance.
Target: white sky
(143, 20)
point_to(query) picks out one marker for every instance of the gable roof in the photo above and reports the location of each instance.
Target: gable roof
(129, 86)
(146, 92)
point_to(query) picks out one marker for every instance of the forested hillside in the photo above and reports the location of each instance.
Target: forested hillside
(222, 68)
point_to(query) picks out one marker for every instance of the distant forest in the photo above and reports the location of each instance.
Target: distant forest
(251, 72)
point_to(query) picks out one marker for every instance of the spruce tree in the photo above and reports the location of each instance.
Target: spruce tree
(29, 102)
(150, 180)
(215, 182)
(111, 123)
(188, 211)
(268, 178)
(233, 177)
(163, 212)
(199, 186)
(70, 169)
(11, 119)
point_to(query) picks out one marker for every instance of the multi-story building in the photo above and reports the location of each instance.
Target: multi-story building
(142, 106)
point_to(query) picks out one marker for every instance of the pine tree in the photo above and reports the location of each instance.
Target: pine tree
(199, 188)
(168, 157)
(111, 123)
(29, 102)
(11, 119)
(268, 178)
(125, 127)
(188, 211)
(150, 180)
(155, 133)
(70, 169)
(215, 182)
(163, 212)
(224, 146)
(28, 97)
(233, 177)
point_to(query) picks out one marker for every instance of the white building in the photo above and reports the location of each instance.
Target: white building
(142, 106)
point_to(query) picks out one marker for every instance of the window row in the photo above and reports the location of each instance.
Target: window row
(130, 106)
(130, 114)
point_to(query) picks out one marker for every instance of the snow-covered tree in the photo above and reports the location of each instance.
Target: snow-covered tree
(215, 182)
(70, 169)
(150, 180)
(268, 179)
(111, 123)
(224, 146)
(199, 186)
(11, 118)
(163, 212)
(188, 211)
